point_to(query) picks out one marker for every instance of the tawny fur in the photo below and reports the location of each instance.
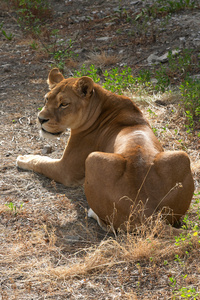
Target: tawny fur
(113, 150)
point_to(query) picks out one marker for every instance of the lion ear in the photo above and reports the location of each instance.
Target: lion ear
(54, 78)
(84, 86)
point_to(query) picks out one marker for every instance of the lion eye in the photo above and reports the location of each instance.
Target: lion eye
(63, 105)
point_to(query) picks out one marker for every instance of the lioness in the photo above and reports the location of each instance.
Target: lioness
(113, 151)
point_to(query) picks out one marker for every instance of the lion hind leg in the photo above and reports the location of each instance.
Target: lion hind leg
(173, 173)
(92, 214)
(105, 185)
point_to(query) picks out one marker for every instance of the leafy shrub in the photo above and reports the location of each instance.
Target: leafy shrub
(178, 68)
(118, 80)
(31, 13)
(190, 91)
(60, 50)
(91, 72)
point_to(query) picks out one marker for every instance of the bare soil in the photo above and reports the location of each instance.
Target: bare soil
(46, 239)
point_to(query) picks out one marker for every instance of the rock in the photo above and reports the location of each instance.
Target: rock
(7, 68)
(161, 102)
(196, 42)
(154, 80)
(110, 23)
(154, 59)
(103, 39)
(79, 51)
(81, 19)
(46, 150)
(182, 42)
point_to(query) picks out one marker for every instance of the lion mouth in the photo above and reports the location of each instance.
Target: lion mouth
(52, 133)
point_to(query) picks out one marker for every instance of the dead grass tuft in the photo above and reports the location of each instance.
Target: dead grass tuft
(146, 242)
(102, 59)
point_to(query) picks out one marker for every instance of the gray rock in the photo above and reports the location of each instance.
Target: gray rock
(7, 68)
(182, 42)
(103, 39)
(153, 80)
(155, 59)
(46, 150)
(196, 42)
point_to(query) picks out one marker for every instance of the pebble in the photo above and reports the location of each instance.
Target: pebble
(47, 150)
(103, 39)
(155, 59)
(6, 68)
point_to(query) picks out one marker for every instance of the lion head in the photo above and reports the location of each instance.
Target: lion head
(66, 104)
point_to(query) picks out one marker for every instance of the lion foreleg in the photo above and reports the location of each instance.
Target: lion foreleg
(51, 168)
(35, 163)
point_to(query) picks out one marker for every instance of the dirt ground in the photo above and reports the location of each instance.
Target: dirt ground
(48, 226)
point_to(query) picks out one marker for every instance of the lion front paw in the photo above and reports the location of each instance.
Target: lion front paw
(25, 161)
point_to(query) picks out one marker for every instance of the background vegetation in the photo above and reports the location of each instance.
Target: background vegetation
(49, 249)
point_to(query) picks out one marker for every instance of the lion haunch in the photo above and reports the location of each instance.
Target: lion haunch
(113, 151)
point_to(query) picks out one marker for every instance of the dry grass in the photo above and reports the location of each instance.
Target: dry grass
(49, 249)
(102, 60)
(33, 262)
(151, 240)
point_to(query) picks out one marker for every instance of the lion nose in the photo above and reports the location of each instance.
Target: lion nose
(42, 121)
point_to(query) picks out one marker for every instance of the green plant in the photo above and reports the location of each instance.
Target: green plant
(164, 7)
(151, 112)
(181, 63)
(178, 260)
(119, 81)
(122, 12)
(177, 69)
(187, 293)
(144, 23)
(172, 281)
(193, 225)
(91, 72)
(13, 208)
(144, 77)
(181, 239)
(180, 290)
(155, 130)
(177, 5)
(190, 91)
(163, 80)
(61, 51)
(7, 36)
(58, 48)
(34, 45)
(31, 14)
